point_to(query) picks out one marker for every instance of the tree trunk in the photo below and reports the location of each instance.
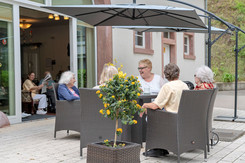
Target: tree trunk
(115, 138)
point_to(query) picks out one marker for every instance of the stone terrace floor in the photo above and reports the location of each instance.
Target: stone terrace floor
(33, 142)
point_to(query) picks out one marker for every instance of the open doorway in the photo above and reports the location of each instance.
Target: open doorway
(44, 44)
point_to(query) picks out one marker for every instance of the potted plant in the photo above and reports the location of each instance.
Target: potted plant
(119, 97)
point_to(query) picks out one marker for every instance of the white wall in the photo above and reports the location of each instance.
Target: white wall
(124, 54)
(123, 45)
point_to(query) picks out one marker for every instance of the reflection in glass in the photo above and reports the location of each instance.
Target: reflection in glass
(85, 56)
(6, 60)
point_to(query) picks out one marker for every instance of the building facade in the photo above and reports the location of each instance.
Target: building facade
(35, 39)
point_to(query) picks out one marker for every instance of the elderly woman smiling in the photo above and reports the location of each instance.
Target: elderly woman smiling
(67, 90)
(149, 81)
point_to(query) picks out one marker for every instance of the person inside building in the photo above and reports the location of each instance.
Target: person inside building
(204, 78)
(107, 73)
(28, 85)
(150, 82)
(66, 89)
(167, 99)
(48, 89)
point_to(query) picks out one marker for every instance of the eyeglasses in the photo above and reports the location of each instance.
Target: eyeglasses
(141, 68)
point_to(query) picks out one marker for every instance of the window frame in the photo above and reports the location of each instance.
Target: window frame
(140, 36)
(191, 52)
(147, 41)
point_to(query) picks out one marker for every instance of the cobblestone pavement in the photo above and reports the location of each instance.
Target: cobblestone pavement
(33, 142)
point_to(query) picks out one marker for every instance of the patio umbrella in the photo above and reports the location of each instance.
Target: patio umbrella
(214, 30)
(132, 15)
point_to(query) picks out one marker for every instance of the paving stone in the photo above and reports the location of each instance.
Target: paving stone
(32, 142)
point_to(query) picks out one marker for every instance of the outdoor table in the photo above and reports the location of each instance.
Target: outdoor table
(138, 131)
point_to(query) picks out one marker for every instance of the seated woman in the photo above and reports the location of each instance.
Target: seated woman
(28, 85)
(67, 90)
(149, 81)
(168, 98)
(204, 78)
(170, 94)
(107, 73)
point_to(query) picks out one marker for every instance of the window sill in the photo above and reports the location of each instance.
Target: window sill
(191, 57)
(143, 51)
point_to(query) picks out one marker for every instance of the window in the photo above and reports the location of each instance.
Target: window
(85, 55)
(7, 80)
(140, 39)
(143, 43)
(188, 46)
(166, 35)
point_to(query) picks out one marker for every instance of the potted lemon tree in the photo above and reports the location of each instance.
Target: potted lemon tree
(119, 96)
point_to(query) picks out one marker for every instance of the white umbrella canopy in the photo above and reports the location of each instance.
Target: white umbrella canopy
(132, 15)
(214, 30)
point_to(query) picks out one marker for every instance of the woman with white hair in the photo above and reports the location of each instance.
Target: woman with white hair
(107, 73)
(204, 78)
(67, 90)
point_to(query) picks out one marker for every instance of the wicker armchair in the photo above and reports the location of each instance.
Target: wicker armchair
(28, 104)
(67, 114)
(183, 131)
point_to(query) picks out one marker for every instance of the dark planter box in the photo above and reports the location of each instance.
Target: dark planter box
(99, 153)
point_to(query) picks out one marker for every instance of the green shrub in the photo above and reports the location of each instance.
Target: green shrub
(227, 77)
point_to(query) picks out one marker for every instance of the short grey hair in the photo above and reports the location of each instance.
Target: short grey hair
(66, 77)
(205, 74)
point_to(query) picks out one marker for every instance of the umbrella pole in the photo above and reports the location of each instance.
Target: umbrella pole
(236, 67)
(209, 41)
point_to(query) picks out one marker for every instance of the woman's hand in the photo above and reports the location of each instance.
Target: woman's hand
(40, 86)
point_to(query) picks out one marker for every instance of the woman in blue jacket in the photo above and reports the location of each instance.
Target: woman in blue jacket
(67, 90)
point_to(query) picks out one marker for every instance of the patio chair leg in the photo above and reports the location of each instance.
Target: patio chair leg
(208, 147)
(212, 143)
(67, 132)
(81, 153)
(205, 154)
(178, 158)
(55, 134)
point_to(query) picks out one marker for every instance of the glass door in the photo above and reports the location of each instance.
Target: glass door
(7, 93)
(85, 55)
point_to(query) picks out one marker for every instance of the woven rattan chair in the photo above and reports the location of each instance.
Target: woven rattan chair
(211, 134)
(95, 127)
(28, 104)
(183, 131)
(67, 114)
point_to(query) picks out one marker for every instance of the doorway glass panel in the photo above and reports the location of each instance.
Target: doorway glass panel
(7, 86)
(85, 56)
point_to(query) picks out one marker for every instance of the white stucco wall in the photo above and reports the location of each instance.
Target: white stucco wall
(123, 51)
(123, 45)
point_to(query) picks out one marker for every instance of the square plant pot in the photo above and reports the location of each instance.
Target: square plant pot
(99, 153)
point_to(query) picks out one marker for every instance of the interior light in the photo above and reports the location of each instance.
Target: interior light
(24, 25)
(56, 15)
(56, 18)
(66, 18)
(50, 16)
